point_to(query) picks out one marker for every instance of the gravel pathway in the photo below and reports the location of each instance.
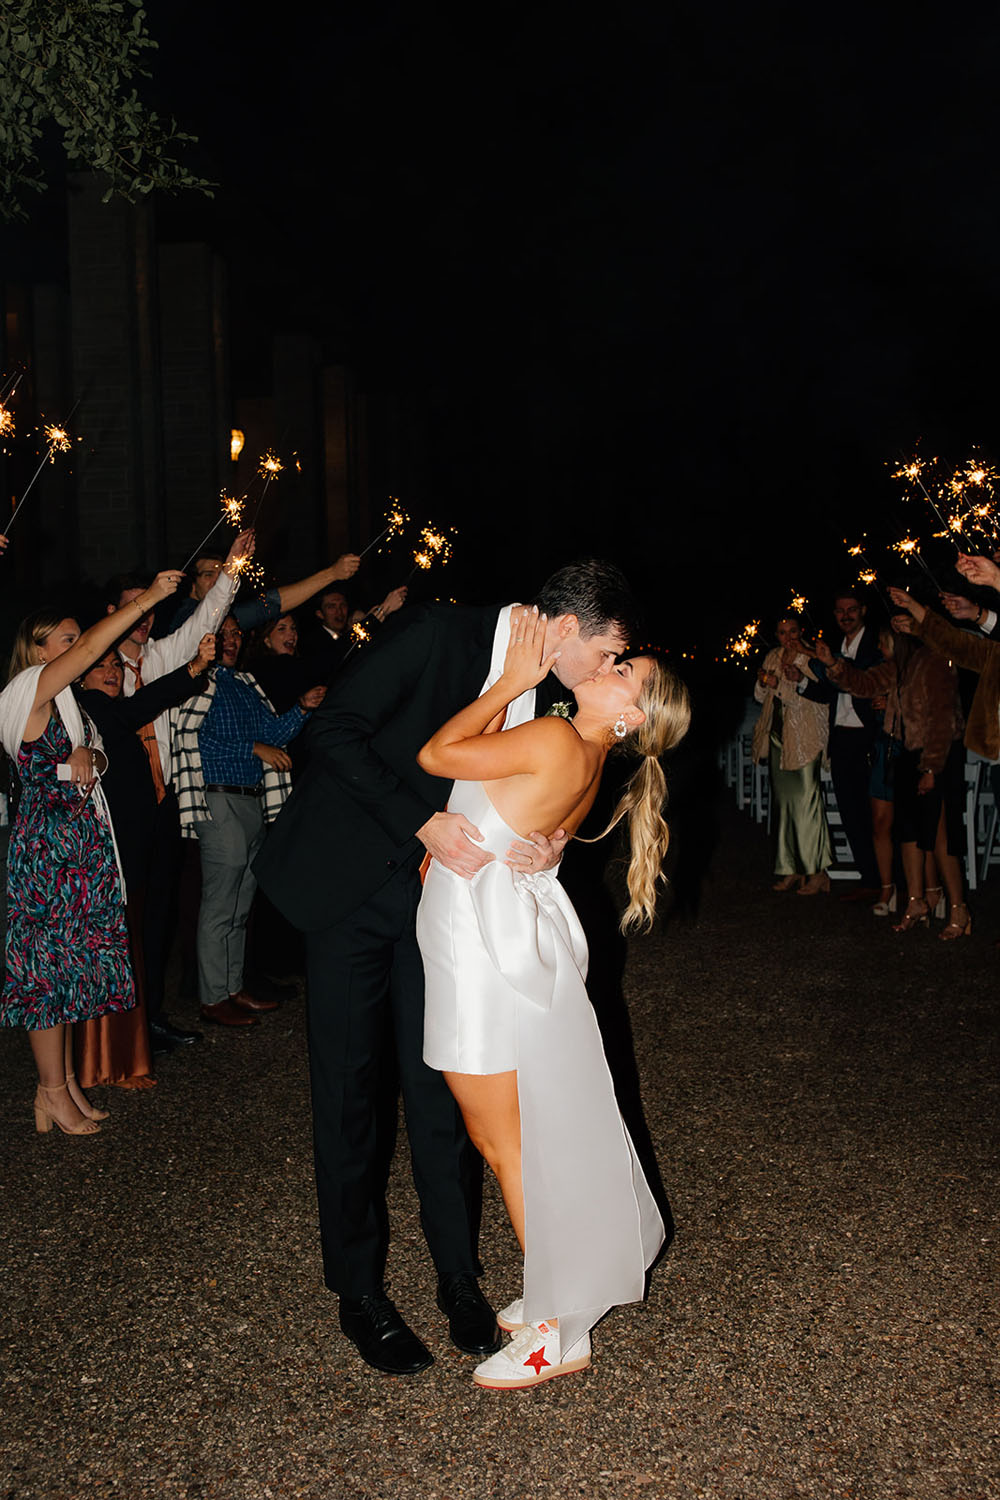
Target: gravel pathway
(822, 1096)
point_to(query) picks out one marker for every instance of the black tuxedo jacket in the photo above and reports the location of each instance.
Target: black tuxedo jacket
(825, 691)
(351, 821)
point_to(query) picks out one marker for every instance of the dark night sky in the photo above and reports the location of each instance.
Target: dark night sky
(671, 282)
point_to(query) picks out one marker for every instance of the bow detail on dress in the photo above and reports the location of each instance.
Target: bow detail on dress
(526, 939)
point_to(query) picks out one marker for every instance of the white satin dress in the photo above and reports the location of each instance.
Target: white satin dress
(505, 960)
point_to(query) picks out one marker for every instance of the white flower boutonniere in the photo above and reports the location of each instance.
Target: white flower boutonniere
(560, 710)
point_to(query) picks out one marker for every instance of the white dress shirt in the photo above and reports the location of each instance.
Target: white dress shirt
(846, 718)
(158, 658)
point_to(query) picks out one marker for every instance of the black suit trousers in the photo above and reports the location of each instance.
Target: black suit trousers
(850, 770)
(366, 993)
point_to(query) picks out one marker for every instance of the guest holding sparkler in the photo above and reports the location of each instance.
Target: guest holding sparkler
(74, 963)
(231, 770)
(115, 1048)
(333, 637)
(851, 737)
(792, 733)
(278, 601)
(145, 660)
(284, 672)
(921, 690)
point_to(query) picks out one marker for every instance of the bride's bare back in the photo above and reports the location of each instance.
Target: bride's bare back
(560, 788)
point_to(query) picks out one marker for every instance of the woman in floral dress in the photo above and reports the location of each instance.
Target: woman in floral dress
(67, 943)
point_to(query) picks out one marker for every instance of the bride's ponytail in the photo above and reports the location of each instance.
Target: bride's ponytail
(664, 700)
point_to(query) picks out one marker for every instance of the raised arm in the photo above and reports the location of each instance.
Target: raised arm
(863, 682)
(294, 594)
(175, 649)
(461, 750)
(92, 645)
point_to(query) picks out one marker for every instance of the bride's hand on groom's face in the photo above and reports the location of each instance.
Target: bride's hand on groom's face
(527, 662)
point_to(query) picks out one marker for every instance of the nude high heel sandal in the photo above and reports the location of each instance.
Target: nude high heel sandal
(86, 1108)
(958, 926)
(916, 915)
(45, 1119)
(936, 904)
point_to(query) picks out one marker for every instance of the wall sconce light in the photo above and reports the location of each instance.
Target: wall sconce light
(236, 441)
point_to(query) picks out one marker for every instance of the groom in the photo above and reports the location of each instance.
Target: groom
(342, 863)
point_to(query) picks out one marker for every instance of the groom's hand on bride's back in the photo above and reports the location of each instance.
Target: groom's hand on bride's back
(446, 837)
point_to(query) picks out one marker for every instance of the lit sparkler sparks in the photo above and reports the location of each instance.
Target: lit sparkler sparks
(248, 570)
(232, 511)
(59, 441)
(232, 508)
(6, 421)
(360, 634)
(269, 468)
(909, 547)
(433, 546)
(912, 472)
(395, 519)
(738, 649)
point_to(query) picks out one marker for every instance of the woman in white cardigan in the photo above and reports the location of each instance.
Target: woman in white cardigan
(67, 946)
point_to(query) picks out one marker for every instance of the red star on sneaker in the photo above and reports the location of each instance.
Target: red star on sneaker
(537, 1359)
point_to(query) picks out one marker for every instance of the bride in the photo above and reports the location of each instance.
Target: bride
(507, 1019)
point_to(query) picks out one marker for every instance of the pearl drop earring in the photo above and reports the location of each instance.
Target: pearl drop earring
(621, 728)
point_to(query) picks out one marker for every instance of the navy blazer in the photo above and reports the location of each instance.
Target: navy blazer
(825, 691)
(350, 822)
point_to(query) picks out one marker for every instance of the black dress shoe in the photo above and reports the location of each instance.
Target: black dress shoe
(164, 1036)
(382, 1338)
(472, 1323)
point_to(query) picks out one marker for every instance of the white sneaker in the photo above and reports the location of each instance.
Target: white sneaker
(533, 1355)
(511, 1319)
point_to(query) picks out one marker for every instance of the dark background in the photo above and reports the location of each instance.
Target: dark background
(671, 283)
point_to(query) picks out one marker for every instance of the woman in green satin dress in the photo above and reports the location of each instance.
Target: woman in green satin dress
(791, 734)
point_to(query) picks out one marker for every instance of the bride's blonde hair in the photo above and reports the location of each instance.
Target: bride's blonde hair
(665, 701)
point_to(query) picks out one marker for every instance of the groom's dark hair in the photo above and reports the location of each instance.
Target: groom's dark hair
(595, 591)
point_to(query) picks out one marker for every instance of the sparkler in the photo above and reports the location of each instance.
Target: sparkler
(232, 511)
(245, 567)
(909, 547)
(799, 605)
(395, 519)
(269, 468)
(11, 384)
(59, 441)
(6, 421)
(738, 649)
(433, 546)
(867, 574)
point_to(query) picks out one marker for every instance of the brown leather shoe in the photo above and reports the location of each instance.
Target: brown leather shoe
(246, 1001)
(225, 1013)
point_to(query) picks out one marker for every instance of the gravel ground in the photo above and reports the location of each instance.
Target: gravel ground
(822, 1097)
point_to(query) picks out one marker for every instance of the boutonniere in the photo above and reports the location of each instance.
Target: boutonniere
(560, 710)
